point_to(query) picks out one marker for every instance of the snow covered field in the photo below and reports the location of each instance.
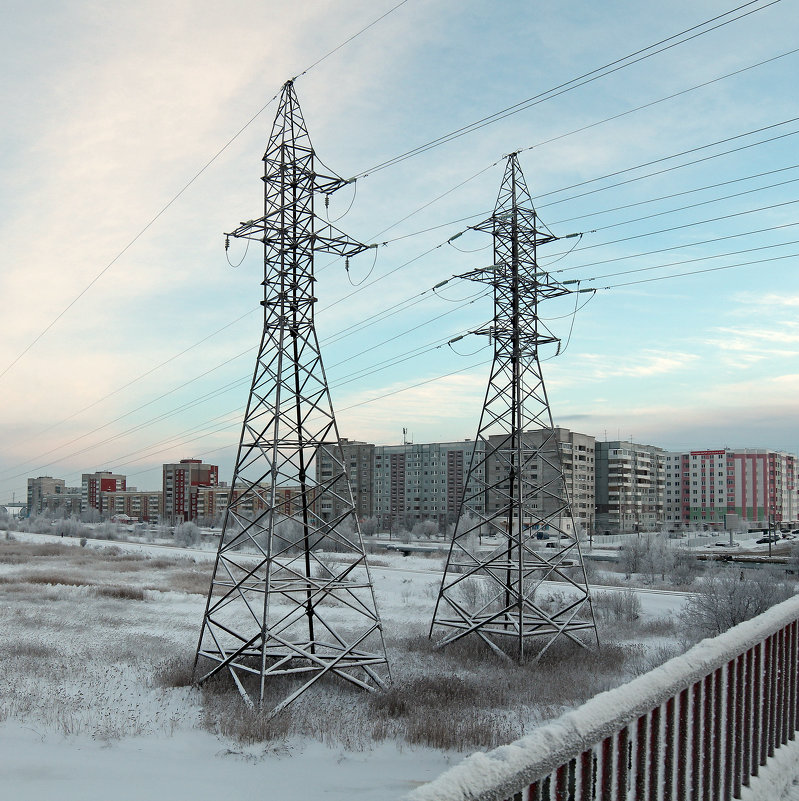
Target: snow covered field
(94, 702)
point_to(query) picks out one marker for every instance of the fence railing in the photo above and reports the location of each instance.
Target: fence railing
(698, 727)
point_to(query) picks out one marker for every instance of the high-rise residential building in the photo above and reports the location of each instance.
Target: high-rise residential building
(212, 501)
(136, 504)
(358, 461)
(95, 485)
(630, 480)
(41, 488)
(417, 482)
(181, 486)
(574, 457)
(758, 485)
(65, 502)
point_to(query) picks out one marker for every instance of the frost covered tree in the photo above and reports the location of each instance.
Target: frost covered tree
(425, 529)
(726, 596)
(187, 535)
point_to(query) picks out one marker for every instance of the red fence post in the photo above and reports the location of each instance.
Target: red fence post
(587, 780)
(784, 671)
(654, 753)
(756, 710)
(766, 747)
(718, 731)
(606, 785)
(668, 756)
(622, 763)
(696, 742)
(740, 692)
(683, 729)
(640, 756)
(707, 736)
(793, 663)
(728, 760)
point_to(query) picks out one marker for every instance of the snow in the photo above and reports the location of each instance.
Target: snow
(195, 765)
(135, 741)
(779, 779)
(507, 769)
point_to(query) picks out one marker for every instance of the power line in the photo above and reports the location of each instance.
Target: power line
(180, 192)
(581, 80)
(681, 246)
(420, 350)
(355, 328)
(540, 206)
(667, 158)
(692, 261)
(699, 272)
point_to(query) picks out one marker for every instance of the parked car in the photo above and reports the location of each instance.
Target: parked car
(767, 539)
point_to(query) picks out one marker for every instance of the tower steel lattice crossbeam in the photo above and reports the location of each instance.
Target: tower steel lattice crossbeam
(278, 606)
(514, 489)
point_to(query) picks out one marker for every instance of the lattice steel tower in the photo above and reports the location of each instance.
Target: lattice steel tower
(280, 604)
(514, 490)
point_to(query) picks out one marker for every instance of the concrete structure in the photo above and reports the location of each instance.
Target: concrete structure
(181, 486)
(65, 503)
(417, 482)
(145, 507)
(212, 501)
(358, 460)
(630, 483)
(41, 488)
(576, 456)
(758, 485)
(95, 485)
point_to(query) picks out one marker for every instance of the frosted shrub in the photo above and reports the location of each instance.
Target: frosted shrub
(685, 567)
(624, 606)
(187, 535)
(69, 527)
(425, 529)
(727, 596)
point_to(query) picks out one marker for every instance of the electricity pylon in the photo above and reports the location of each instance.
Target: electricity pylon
(291, 593)
(515, 490)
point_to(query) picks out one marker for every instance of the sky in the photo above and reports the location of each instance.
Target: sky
(132, 140)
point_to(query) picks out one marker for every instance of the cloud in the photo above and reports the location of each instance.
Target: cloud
(596, 367)
(769, 300)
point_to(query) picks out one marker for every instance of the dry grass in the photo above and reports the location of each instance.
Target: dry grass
(461, 697)
(120, 591)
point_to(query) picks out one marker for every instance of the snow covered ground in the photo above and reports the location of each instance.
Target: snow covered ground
(85, 712)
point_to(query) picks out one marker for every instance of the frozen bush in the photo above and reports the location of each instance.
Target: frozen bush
(187, 535)
(726, 596)
(624, 606)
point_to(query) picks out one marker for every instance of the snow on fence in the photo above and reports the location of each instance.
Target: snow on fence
(697, 727)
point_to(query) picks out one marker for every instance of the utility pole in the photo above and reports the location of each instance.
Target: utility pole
(514, 490)
(276, 609)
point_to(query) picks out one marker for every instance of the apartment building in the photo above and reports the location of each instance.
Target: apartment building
(146, 507)
(546, 454)
(64, 503)
(181, 485)
(423, 481)
(94, 487)
(42, 488)
(758, 485)
(357, 460)
(630, 483)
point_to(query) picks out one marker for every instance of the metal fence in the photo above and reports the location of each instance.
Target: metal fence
(698, 727)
